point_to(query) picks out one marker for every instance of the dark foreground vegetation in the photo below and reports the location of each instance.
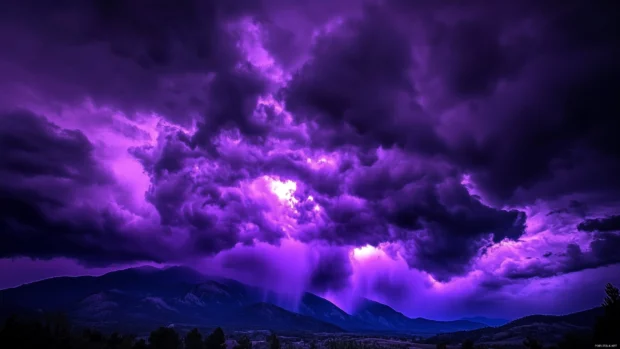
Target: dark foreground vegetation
(54, 331)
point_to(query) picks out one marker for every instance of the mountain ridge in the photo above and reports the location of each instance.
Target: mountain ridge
(384, 316)
(492, 322)
(551, 327)
(184, 295)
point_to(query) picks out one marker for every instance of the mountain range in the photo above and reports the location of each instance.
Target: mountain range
(148, 296)
(549, 328)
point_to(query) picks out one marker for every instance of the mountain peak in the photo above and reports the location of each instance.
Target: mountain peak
(375, 307)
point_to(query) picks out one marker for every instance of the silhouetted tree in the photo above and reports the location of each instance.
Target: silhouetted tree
(244, 342)
(57, 324)
(606, 328)
(612, 297)
(57, 329)
(93, 336)
(127, 342)
(467, 344)
(532, 343)
(164, 338)
(140, 344)
(114, 341)
(274, 341)
(193, 340)
(216, 340)
(49, 331)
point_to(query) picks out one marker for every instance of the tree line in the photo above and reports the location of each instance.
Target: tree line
(55, 332)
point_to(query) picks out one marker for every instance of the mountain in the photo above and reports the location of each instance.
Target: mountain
(61, 293)
(149, 296)
(381, 316)
(585, 318)
(279, 318)
(550, 327)
(324, 310)
(492, 322)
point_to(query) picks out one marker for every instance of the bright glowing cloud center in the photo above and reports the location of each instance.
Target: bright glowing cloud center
(284, 190)
(365, 252)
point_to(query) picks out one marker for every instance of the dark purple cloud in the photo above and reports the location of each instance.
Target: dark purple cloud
(332, 271)
(45, 173)
(607, 224)
(602, 252)
(395, 150)
(358, 72)
(138, 56)
(556, 120)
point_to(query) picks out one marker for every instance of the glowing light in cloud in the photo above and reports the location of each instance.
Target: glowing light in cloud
(284, 190)
(323, 161)
(272, 102)
(366, 252)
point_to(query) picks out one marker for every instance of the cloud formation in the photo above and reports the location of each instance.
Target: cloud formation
(388, 149)
(47, 175)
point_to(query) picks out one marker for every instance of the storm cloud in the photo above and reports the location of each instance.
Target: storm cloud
(459, 146)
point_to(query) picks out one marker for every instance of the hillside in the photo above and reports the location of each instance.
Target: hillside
(381, 316)
(551, 328)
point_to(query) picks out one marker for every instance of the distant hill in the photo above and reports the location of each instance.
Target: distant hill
(148, 297)
(585, 318)
(487, 321)
(548, 328)
(324, 310)
(60, 293)
(381, 316)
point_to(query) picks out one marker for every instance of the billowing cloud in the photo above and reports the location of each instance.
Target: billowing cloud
(332, 271)
(397, 150)
(48, 175)
(607, 224)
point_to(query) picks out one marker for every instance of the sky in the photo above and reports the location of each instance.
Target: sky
(447, 158)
